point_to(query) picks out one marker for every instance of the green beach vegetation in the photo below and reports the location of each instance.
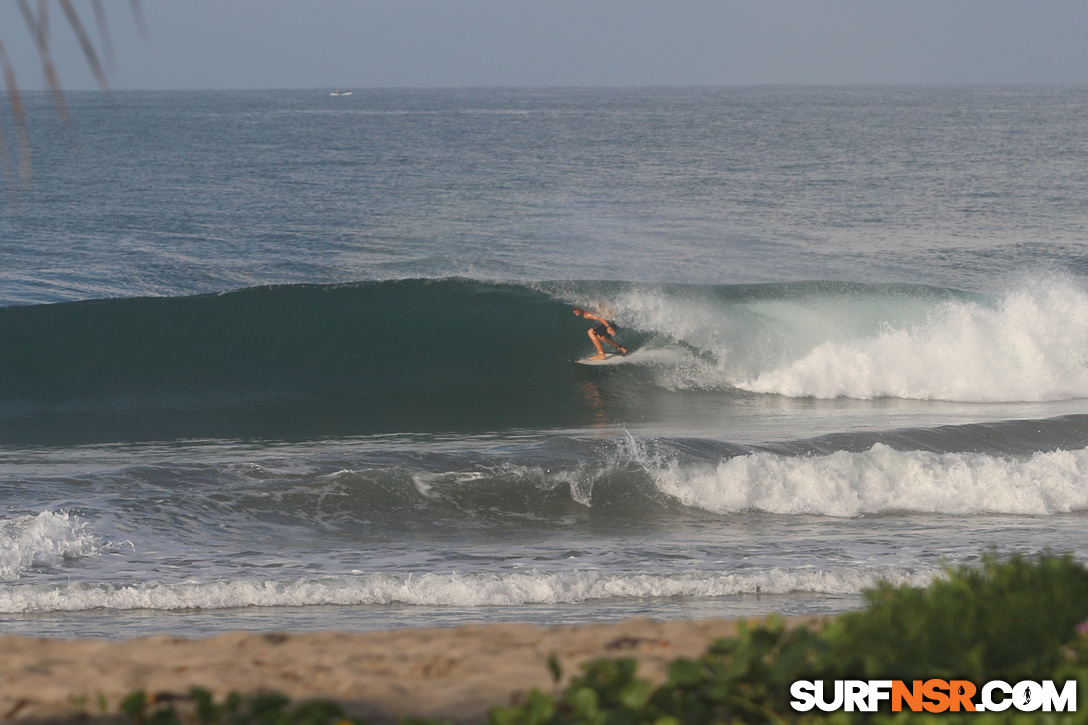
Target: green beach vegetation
(1011, 619)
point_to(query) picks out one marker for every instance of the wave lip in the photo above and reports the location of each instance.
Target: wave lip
(444, 590)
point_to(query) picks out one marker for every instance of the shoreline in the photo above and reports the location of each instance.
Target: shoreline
(454, 673)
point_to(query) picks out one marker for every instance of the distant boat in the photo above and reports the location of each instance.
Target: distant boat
(340, 93)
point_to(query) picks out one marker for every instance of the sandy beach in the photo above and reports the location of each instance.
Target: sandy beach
(455, 673)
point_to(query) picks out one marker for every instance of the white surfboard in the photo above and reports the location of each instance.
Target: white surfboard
(610, 358)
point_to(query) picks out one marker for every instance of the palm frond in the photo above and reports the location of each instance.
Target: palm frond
(102, 22)
(39, 29)
(17, 111)
(138, 16)
(37, 18)
(84, 42)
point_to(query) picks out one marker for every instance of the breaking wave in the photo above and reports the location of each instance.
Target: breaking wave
(302, 361)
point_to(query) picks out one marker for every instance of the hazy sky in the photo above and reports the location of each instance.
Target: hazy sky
(234, 44)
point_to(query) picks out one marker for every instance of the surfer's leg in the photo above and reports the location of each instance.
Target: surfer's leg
(613, 343)
(597, 344)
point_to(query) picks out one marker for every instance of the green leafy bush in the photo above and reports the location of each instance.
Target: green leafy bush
(1013, 619)
(1005, 620)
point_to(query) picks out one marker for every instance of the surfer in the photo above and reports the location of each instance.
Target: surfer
(603, 331)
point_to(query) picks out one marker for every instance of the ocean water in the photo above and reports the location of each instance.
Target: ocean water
(289, 361)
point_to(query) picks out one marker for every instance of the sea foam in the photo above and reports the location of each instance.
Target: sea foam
(882, 480)
(469, 589)
(45, 540)
(1026, 344)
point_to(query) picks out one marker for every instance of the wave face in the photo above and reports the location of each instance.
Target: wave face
(289, 361)
(458, 355)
